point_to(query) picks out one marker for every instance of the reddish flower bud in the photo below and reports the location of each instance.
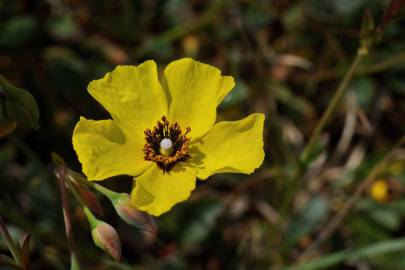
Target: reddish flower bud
(131, 215)
(105, 237)
(124, 208)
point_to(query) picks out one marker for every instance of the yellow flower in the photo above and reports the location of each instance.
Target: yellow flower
(165, 135)
(379, 190)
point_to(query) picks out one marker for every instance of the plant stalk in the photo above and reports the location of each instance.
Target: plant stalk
(67, 216)
(309, 147)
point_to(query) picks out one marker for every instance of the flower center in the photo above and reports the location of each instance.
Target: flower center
(166, 144)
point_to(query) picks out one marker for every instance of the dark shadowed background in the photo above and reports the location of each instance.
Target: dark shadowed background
(287, 58)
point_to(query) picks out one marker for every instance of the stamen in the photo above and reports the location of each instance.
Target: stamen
(166, 144)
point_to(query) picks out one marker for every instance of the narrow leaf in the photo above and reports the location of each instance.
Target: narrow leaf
(370, 251)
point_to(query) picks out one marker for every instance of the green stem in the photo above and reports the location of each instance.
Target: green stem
(91, 218)
(15, 251)
(309, 147)
(113, 196)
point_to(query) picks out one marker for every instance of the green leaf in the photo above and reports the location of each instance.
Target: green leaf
(63, 27)
(385, 215)
(18, 105)
(309, 158)
(365, 91)
(198, 228)
(236, 96)
(17, 30)
(387, 218)
(303, 223)
(336, 258)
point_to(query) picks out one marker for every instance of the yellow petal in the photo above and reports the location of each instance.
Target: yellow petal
(235, 146)
(194, 90)
(156, 192)
(105, 151)
(133, 96)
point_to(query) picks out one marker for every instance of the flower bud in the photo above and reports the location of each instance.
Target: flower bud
(104, 236)
(131, 215)
(124, 208)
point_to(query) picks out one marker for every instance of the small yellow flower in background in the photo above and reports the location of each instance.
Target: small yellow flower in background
(379, 190)
(191, 45)
(164, 134)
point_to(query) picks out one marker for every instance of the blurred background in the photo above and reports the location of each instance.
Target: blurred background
(287, 58)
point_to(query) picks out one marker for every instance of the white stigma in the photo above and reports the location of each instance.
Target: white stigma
(166, 144)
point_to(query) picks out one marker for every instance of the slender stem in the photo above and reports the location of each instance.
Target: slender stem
(93, 221)
(15, 251)
(109, 193)
(66, 213)
(309, 147)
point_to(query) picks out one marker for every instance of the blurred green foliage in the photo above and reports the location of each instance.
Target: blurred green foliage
(287, 58)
